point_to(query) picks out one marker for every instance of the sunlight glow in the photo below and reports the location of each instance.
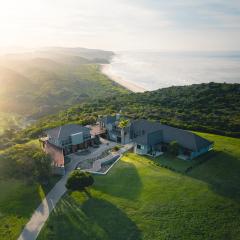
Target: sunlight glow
(121, 24)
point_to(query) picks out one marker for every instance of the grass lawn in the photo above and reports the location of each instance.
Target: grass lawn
(140, 200)
(172, 162)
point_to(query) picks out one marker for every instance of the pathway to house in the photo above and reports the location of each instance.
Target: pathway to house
(97, 165)
(40, 215)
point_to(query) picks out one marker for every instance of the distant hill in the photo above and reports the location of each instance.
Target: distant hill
(46, 81)
(84, 55)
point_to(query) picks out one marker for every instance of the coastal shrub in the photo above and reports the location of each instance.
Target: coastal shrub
(79, 180)
(116, 148)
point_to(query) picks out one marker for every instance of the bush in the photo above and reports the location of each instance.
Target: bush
(123, 123)
(79, 180)
(116, 148)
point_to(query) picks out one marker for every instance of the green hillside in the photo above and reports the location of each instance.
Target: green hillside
(50, 80)
(212, 107)
(140, 200)
(10, 121)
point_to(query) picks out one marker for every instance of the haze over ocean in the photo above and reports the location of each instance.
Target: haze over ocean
(154, 70)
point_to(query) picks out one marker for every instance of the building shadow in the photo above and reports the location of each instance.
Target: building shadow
(222, 173)
(122, 181)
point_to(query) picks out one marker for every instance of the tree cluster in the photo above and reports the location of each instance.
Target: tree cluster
(27, 162)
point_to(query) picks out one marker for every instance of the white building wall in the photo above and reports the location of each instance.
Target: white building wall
(142, 151)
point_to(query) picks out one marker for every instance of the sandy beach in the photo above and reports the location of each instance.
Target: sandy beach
(149, 71)
(105, 68)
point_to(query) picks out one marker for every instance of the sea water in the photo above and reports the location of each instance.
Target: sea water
(154, 70)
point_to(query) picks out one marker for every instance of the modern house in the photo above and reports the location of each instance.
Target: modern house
(64, 140)
(115, 131)
(153, 138)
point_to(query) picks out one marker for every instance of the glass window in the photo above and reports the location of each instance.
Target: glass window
(140, 147)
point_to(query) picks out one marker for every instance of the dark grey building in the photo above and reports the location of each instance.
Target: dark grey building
(152, 138)
(69, 137)
(114, 131)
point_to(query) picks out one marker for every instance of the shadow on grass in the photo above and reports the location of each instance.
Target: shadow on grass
(122, 181)
(115, 223)
(89, 218)
(222, 173)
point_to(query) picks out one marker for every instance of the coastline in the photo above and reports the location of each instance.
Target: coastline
(130, 86)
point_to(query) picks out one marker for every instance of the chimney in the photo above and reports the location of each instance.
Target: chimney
(118, 115)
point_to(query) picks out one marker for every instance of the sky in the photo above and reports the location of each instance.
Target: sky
(198, 25)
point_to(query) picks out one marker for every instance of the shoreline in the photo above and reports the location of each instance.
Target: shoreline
(126, 84)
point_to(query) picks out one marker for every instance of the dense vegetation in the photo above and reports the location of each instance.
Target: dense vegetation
(26, 162)
(79, 180)
(138, 199)
(10, 121)
(47, 81)
(212, 107)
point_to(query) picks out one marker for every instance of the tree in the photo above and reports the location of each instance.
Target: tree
(174, 147)
(79, 180)
(123, 123)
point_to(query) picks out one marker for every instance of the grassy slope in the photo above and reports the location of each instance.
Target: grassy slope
(212, 107)
(140, 200)
(50, 90)
(8, 120)
(44, 83)
(18, 200)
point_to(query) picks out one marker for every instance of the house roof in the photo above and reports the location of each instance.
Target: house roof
(150, 138)
(109, 119)
(62, 132)
(166, 134)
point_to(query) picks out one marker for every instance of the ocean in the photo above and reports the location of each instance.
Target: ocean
(154, 70)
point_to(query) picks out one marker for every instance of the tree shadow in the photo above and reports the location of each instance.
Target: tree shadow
(122, 181)
(222, 173)
(89, 218)
(114, 222)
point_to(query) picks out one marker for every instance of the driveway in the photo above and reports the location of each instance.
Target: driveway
(41, 214)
